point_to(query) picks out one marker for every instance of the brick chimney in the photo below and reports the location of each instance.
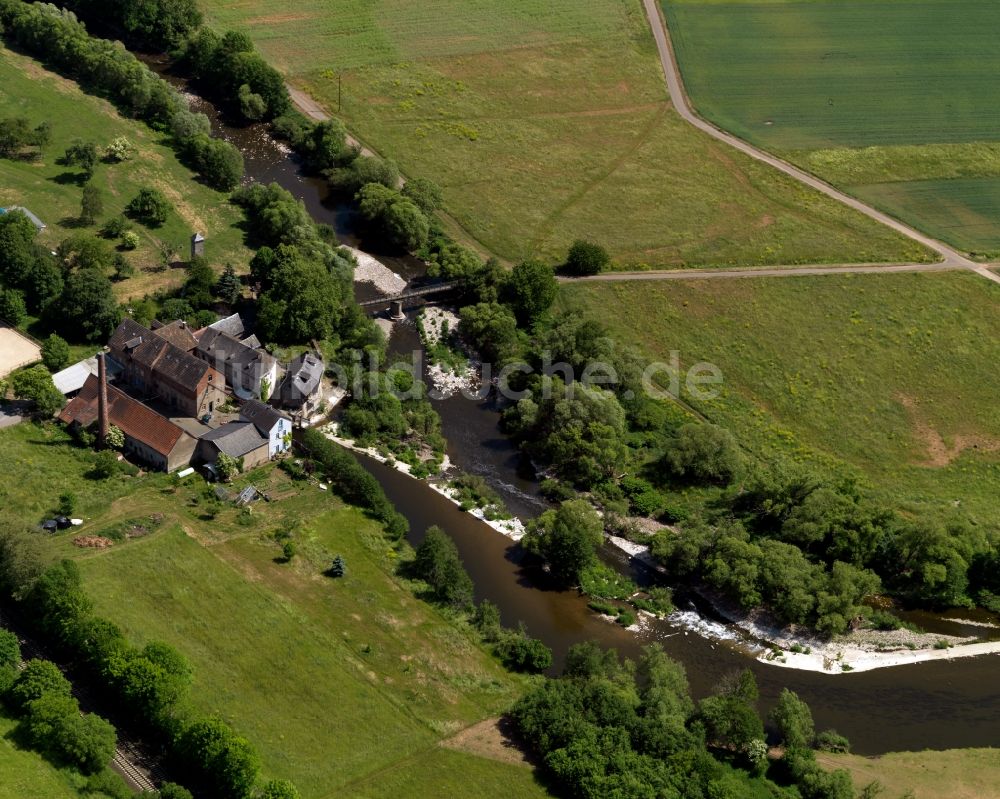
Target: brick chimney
(102, 401)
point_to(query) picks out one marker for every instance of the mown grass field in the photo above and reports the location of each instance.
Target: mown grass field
(335, 682)
(883, 376)
(25, 774)
(548, 121)
(887, 86)
(952, 774)
(52, 193)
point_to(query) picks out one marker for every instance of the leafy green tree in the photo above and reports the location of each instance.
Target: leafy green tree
(839, 600)
(228, 287)
(325, 146)
(425, 193)
(219, 162)
(567, 539)
(793, 720)
(37, 679)
(82, 154)
(487, 620)
(530, 290)
(359, 171)
(252, 105)
(120, 149)
(150, 206)
(406, 225)
(438, 564)
(729, 717)
(520, 652)
(12, 307)
(86, 305)
(304, 301)
(224, 761)
(170, 790)
(130, 240)
(586, 258)
(91, 204)
(491, 329)
(703, 451)
(83, 251)
(36, 386)
(55, 352)
(199, 283)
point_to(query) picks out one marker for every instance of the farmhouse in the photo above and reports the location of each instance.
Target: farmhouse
(273, 425)
(164, 371)
(149, 437)
(236, 439)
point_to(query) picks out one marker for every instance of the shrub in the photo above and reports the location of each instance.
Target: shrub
(438, 564)
(55, 352)
(832, 741)
(519, 652)
(120, 149)
(105, 465)
(12, 307)
(130, 240)
(149, 206)
(586, 258)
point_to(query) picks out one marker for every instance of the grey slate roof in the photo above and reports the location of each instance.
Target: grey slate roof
(264, 417)
(231, 325)
(236, 439)
(221, 349)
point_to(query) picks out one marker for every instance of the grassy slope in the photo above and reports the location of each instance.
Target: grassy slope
(24, 774)
(333, 681)
(952, 774)
(868, 85)
(548, 121)
(26, 89)
(819, 369)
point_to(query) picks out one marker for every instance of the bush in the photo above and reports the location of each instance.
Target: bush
(519, 652)
(586, 258)
(832, 741)
(105, 465)
(149, 206)
(12, 307)
(130, 240)
(55, 353)
(438, 564)
(703, 451)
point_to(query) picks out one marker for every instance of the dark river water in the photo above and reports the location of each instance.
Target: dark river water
(935, 705)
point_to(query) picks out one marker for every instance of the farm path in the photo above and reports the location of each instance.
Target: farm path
(950, 257)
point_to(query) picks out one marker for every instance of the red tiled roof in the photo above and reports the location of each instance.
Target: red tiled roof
(177, 333)
(131, 416)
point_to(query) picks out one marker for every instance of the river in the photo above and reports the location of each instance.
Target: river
(935, 705)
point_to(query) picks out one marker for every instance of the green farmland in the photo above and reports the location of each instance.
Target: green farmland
(548, 121)
(869, 95)
(52, 192)
(887, 377)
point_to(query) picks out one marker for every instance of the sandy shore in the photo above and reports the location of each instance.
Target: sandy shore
(435, 323)
(514, 528)
(371, 270)
(330, 431)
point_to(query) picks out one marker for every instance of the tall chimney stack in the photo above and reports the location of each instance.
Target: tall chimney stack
(102, 401)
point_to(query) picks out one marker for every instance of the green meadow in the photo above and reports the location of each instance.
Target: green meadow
(24, 774)
(549, 121)
(884, 377)
(341, 685)
(52, 192)
(892, 100)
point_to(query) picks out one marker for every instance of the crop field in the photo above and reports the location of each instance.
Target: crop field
(886, 377)
(549, 121)
(52, 192)
(891, 84)
(335, 682)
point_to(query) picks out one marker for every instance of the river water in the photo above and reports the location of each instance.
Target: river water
(935, 705)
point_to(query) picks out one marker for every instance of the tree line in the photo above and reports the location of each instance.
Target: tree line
(632, 731)
(149, 684)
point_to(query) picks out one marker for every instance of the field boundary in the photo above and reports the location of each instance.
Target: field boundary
(678, 96)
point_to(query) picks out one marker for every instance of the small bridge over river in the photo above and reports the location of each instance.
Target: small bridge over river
(396, 302)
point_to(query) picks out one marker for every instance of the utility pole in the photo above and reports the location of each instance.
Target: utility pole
(340, 92)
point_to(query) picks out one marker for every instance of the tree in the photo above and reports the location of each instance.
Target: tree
(91, 204)
(487, 620)
(227, 466)
(520, 652)
(87, 305)
(304, 301)
(130, 240)
(567, 538)
(362, 170)
(702, 451)
(438, 564)
(219, 162)
(225, 762)
(55, 352)
(67, 503)
(199, 284)
(12, 307)
(530, 290)
(252, 105)
(150, 206)
(10, 659)
(793, 720)
(490, 328)
(82, 154)
(35, 385)
(228, 287)
(425, 193)
(288, 551)
(38, 678)
(120, 149)
(338, 568)
(171, 790)
(399, 218)
(730, 719)
(586, 258)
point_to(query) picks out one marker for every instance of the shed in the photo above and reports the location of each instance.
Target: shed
(38, 223)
